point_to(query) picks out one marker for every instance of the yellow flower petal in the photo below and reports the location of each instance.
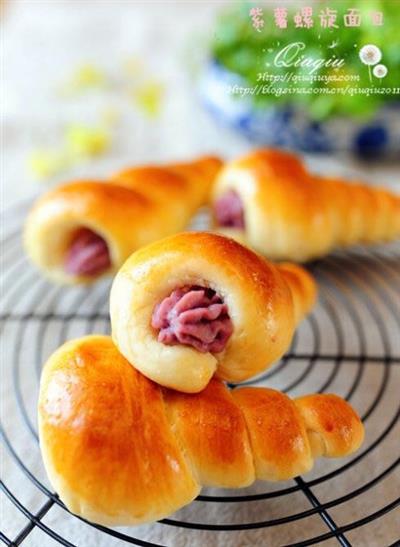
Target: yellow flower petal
(47, 163)
(149, 98)
(84, 77)
(87, 141)
(89, 76)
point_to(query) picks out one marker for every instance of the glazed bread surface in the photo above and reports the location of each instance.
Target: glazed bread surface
(264, 302)
(121, 450)
(106, 444)
(131, 209)
(291, 214)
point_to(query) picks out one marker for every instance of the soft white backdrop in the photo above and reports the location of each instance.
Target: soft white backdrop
(42, 44)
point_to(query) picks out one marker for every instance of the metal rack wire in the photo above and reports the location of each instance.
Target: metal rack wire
(350, 345)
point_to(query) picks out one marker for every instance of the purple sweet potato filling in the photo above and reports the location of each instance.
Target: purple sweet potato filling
(88, 254)
(228, 210)
(193, 316)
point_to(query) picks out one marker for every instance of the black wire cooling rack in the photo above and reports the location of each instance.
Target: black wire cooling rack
(349, 345)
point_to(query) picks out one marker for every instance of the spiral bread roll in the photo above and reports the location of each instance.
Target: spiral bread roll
(87, 228)
(121, 450)
(198, 303)
(269, 201)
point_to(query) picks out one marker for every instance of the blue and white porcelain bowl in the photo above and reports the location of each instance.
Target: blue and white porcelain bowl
(291, 127)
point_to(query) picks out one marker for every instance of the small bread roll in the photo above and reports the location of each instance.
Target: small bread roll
(120, 450)
(269, 201)
(84, 230)
(198, 304)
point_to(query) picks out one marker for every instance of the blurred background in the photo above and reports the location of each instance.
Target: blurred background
(89, 87)
(92, 86)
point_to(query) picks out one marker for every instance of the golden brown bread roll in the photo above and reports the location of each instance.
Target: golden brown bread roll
(269, 201)
(120, 450)
(86, 229)
(195, 304)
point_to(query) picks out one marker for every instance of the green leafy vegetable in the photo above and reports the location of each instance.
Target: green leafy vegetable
(238, 47)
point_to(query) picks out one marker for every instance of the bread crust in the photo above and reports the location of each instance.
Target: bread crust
(264, 305)
(105, 440)
(133, 208)
(285, 452)
(291, 214)
(121, 450)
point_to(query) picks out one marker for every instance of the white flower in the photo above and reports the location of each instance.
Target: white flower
(380, 71)
(370, 54)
